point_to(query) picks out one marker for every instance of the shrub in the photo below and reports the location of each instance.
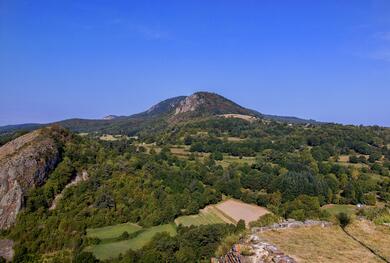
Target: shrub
(265, 220)
(343, 219)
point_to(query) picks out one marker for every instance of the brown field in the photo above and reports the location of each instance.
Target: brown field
(240, 116)
(239, 210)
(319, 245)
(376, 237)
(344, 158)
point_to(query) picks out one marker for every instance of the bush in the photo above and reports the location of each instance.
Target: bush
(343, 219)
(265, 220)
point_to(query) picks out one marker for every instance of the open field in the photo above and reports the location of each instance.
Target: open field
(111, 250)
(229, 211)
(376, 237)
(334, 209)
(207, 216)
(238, 210)
(240, 116)
(110, 137)
(319, 245)
(112, 231)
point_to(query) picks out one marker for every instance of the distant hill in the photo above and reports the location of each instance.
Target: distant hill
(199, 104)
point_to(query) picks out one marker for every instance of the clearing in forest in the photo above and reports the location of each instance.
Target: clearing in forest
(111, 249)
(112, 231)
(229, 211)
(238, 210)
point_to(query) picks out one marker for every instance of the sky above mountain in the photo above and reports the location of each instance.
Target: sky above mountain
(325, 60)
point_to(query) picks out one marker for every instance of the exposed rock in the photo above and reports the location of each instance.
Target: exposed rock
(25, 163)
(190, 103)
(79, 178)
(6, 249)
(254, 250)
(291, 223)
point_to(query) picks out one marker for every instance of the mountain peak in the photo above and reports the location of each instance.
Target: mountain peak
(207, 103)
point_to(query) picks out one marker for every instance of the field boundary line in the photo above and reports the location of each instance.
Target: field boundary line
(225, 215)
(364, 245)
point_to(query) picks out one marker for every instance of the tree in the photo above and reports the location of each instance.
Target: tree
(240, 225)
(85, 257)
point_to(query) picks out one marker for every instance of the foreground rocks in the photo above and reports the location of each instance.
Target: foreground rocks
(254, 250)
(26, 163)
(291, 223)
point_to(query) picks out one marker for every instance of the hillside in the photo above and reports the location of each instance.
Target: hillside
(181, 108)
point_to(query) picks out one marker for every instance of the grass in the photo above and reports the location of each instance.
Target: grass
(376, 237)
(316, 244)
(206, 216)
(112, 231)
(114, 249)
(334, 209)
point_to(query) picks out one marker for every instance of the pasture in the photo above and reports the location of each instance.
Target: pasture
(335, 209)
(207, 216)
(104, 251)
(112, 231)
(320, 245)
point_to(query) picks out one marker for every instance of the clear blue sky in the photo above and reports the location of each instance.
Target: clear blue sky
(328, 60)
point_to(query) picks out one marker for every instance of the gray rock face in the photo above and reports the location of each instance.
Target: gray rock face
(6, 249)
(24, 163)
(191, 103)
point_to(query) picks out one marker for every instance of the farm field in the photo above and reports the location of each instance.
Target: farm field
(206, 216)
(238, 210)
(113, 249)
(112, 231)
(319, 245)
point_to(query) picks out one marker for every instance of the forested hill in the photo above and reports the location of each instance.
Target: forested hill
(181, 108)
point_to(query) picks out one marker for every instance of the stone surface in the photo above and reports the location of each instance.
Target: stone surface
(6, 249)
(24, 163)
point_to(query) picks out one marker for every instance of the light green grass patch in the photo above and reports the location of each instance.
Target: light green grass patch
(203, 218)
(334, 209)
(112, 250)
(112, 231)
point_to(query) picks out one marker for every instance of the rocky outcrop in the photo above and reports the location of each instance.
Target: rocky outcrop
(254, 250)
(79, 178)
(292, 223)
(25, 163)
(6, 249)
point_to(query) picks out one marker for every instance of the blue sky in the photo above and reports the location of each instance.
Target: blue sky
(327, 60)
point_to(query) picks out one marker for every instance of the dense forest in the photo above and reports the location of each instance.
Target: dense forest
(294, 170)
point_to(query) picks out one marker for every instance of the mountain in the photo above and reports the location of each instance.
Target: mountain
(199, 104)
(25, 163)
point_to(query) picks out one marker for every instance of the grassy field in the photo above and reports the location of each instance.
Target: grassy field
(111, 250)
(319, 245)
(335, 209)
(209, 215)
(112, 231)
(376, 237)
